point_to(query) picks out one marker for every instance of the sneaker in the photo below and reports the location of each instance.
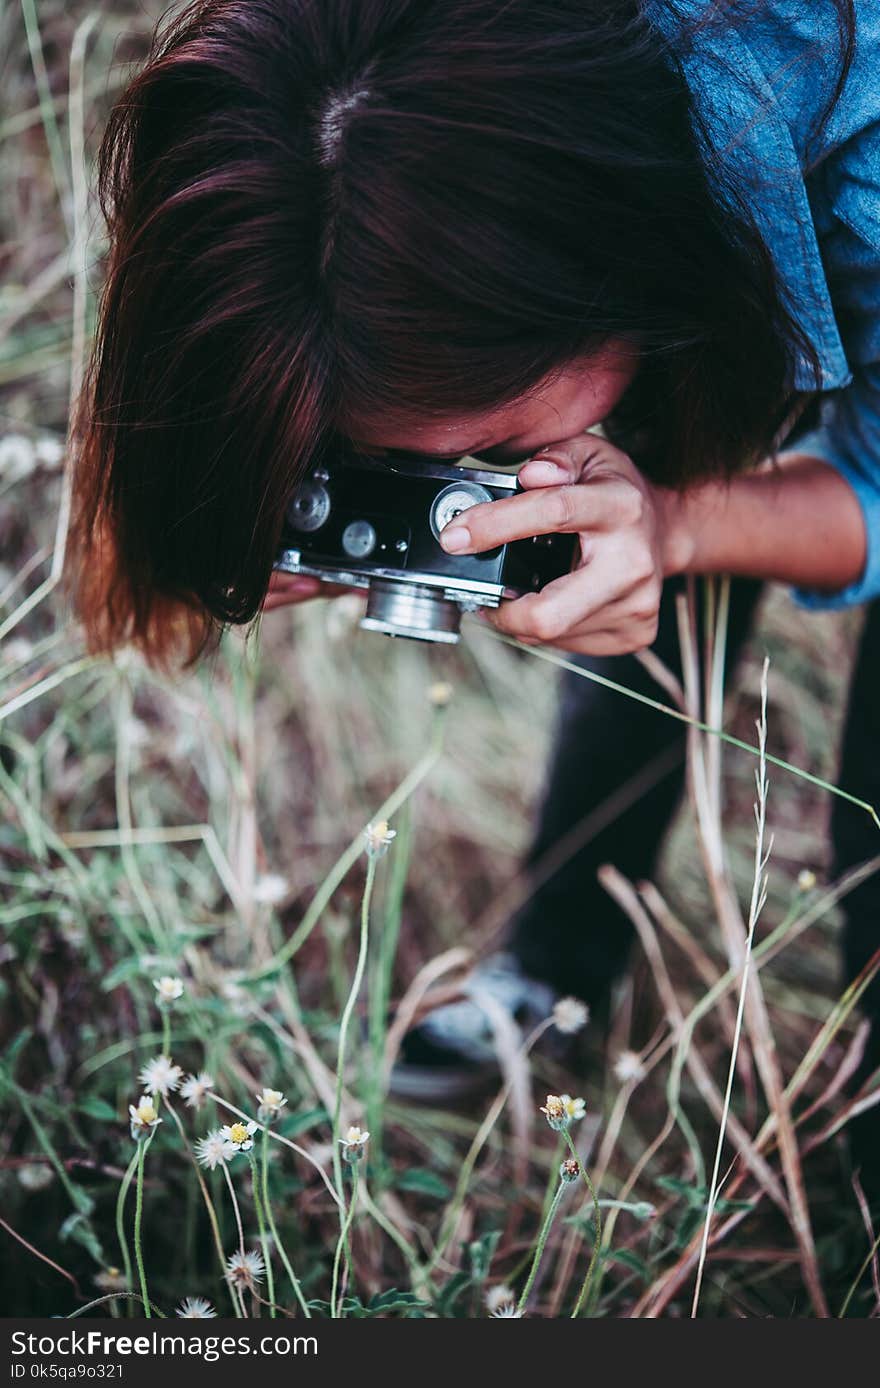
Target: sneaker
(451, 1053)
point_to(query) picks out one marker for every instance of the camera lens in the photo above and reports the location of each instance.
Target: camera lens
(359, 539)
(449, 503)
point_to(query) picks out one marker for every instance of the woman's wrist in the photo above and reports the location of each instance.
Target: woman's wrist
(676, 530)
(797, 522)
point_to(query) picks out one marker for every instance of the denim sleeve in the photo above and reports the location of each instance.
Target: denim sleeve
(848, 435)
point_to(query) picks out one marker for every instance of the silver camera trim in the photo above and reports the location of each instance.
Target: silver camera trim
(412, 603)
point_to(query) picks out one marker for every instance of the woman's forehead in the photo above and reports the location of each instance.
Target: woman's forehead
(462, 434)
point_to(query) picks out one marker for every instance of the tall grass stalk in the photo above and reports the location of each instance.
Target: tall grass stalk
(349, 857)
(758, 900)
(345, 1218)
(481, 1137)
(552, 658)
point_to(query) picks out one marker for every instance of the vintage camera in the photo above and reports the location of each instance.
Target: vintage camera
(364, 522)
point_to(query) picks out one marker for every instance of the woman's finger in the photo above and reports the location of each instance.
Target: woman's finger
(548, 510)
(286, 589)
(566, 605)
(541, 472)
(565, 460)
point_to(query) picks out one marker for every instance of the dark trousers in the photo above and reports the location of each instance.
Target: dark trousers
(617, 769)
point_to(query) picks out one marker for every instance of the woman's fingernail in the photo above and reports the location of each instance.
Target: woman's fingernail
(455, 539)
(543, 469)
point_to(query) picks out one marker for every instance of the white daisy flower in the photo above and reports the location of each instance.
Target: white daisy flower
(806, 880)
(561, 1110)
(570, 1015)
(440, 694)
(271, 1103)
(496, 1297)
(18, 651)
(169, 990)
(144, 1117)
(194, 1089)
(354, 1144)
(269, 889)
(50, 451)
(159, 1076)
(378, 837)
(34, 1176)
(245, 1269)
(239, 1136)
(196, 1308)
(213, 1149)
(233, 992)
(18, 457)
(342, 616)
(628, 1066)
(136, 733)
(111, 1279)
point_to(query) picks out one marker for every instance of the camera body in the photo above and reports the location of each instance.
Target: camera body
(365, 523)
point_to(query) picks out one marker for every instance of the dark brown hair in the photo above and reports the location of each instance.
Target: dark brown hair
(329, 211)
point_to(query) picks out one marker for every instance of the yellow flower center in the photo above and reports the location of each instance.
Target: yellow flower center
(238, 1133)
(146, 1112)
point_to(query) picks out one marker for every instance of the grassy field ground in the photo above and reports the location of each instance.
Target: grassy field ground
(210, 829)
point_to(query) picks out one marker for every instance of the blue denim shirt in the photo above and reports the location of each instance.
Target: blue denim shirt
(760, 83)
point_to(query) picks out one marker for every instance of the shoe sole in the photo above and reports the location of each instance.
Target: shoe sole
(430, 1084)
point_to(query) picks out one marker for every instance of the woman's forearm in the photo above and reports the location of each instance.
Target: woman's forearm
(798, 522)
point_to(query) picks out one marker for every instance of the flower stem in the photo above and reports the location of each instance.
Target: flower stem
(138, 1216)
(261, 1225)
(238, 1226)
(120, 1225)
(597, 1239)
(342, 1242)
(539, 1251)
(282, 1252)
(166, 1032)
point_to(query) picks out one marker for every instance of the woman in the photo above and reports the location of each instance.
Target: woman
(482, 227)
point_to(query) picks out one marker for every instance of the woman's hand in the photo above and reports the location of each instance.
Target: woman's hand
(608, 604)
(285, 588)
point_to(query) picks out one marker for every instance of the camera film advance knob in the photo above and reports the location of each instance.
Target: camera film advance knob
(309, 506)
(454, 499)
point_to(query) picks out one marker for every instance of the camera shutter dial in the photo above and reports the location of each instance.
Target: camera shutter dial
(449, 503)
(309, 507)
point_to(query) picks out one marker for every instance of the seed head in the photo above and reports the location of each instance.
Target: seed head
(271, 1103)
